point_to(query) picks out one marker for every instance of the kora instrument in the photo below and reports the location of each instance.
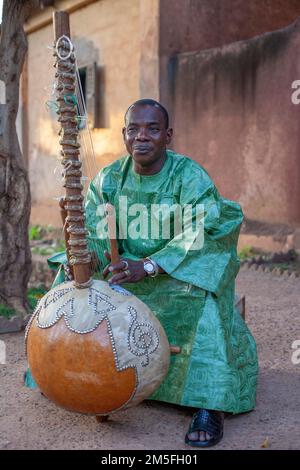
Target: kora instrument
(92, 347)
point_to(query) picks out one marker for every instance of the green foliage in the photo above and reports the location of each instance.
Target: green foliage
(43, 251)
(6, 312)
(37, 232)
(49, 250)
(60, 245)
(33, 296)
(283, 266)
(246, 252)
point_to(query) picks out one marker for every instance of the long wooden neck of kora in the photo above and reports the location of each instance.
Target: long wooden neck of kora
(77, 249)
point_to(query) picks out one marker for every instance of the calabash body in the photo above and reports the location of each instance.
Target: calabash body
(96, 350)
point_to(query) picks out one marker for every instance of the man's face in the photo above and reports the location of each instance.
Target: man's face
(145, 134)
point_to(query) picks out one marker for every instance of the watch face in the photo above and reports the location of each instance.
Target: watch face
(149, 268)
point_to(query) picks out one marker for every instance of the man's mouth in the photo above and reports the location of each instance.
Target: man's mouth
(141, 149)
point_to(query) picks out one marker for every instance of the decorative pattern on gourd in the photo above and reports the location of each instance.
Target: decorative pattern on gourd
(95, 350)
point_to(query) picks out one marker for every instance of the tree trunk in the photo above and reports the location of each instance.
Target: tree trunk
(15, 256)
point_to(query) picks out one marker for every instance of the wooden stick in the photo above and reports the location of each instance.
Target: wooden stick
(111, 223)
(66, 80)
(61, 24)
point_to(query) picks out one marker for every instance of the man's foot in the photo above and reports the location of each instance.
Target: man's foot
(206, 428)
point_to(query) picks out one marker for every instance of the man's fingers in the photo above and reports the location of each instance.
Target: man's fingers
(105, 271)
(107, 255)
(111, 268)
(117, 267)
(118, 278)
(124, 280)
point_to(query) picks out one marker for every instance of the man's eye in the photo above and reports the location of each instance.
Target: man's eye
(154, 129)
(131, 129)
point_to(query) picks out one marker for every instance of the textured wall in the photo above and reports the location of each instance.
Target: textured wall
(108, 30)
(149, 49)
(232, 112)
(190, 25)
(194, 25)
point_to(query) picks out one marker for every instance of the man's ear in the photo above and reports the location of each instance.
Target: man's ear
(123, 133)
(169, 135)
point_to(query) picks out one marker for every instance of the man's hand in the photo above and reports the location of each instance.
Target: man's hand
(134, 272)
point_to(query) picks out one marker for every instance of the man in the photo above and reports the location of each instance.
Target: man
(187, 279)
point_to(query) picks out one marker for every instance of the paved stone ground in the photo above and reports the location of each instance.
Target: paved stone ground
(30, 421)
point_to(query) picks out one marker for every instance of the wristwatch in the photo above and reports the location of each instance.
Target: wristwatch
(151, 267)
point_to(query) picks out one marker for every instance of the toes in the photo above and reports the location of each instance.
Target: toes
(204, 436)
(199, 436)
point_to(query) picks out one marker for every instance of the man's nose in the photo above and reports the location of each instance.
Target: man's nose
(142, 134)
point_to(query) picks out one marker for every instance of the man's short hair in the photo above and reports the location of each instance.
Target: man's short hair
(150, 102)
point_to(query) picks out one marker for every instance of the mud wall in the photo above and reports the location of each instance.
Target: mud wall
(232, 112)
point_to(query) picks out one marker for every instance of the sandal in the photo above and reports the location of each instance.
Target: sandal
(208, 421)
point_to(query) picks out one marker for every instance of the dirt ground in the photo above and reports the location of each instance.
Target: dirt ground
(29, 421)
